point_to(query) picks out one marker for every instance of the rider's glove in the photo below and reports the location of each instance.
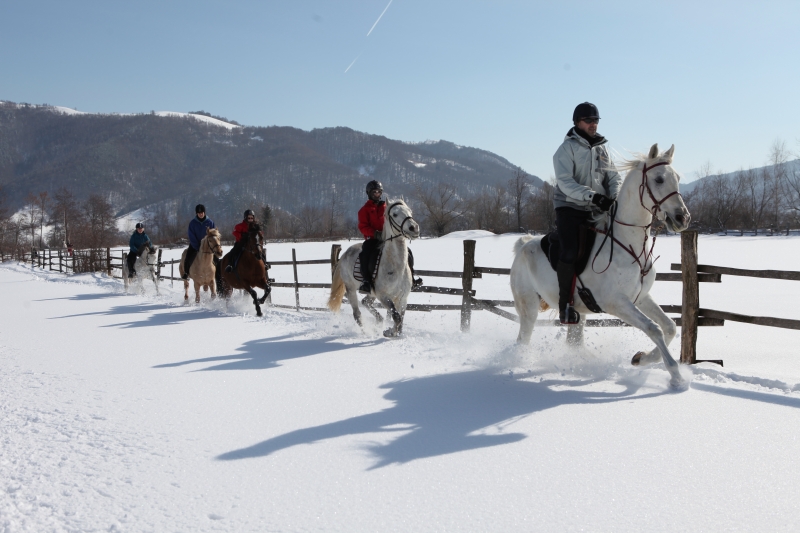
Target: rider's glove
(378, 235)
(602, 201)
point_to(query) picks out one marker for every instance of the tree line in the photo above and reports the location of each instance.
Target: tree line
(751, 199)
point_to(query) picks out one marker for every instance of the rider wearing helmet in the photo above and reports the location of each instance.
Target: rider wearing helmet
(198, 227)
(370, 224)
(139, 241)
(587, 186)
(239, 231)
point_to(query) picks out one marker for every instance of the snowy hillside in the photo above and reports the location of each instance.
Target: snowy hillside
(136, 412)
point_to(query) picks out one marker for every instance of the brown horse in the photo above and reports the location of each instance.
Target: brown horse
(250, 271)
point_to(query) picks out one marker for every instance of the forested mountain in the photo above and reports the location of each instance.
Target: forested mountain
(174, 162)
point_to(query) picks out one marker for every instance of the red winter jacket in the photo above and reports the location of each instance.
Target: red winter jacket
(370, 218)
(241, 229)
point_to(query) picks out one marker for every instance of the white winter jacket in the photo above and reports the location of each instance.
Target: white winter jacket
(582, 170)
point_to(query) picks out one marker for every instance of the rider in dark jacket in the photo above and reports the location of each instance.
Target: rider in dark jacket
(197, 231)
(139, 241)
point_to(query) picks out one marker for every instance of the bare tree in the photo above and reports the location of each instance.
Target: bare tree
(519, 191)
(541, 210)
(441, 206)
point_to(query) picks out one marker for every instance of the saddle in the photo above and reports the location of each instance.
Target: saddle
(374, 261)
(551, 247)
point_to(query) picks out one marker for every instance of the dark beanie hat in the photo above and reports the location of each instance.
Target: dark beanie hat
(200, 208)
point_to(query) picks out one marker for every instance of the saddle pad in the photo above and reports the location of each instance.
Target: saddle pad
(357, 267)
(551, 247)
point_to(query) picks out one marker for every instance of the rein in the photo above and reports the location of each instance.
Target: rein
(645, 255)
(395, 226)
(208, 244)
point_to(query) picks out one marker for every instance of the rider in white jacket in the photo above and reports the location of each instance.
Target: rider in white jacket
(587, 183)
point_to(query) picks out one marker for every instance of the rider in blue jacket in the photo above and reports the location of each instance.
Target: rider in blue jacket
(139, 241)
(197, 231)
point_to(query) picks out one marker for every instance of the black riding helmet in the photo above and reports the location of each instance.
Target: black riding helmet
(585, 110)
(139, 225)
(249, 213)
(374, 185)
(200, 208)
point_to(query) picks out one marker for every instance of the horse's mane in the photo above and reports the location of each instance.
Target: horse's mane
(636, 161)
(213, 232)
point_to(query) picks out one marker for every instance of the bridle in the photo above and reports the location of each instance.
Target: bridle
(398, 227)
(211, 249)
(645, 256)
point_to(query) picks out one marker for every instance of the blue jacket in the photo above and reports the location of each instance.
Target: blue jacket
(138, 239)
(197, 231)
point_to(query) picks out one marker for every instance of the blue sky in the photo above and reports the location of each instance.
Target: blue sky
(720, 80)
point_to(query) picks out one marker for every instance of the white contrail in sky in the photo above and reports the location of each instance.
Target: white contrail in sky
(379, 18)
(353, 63)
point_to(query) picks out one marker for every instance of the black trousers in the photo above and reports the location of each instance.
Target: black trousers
(133, 255)
(568, 220)
(367, 249)
(191, 253)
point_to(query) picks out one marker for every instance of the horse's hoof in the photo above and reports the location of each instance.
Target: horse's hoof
(678, 385)
(637, 358)
(391, 334)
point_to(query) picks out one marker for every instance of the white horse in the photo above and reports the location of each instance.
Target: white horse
(392, 283)
(145, 267)
(620, 272)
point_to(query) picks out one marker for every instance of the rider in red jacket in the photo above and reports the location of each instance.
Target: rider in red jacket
(370, 224)
(239, 231)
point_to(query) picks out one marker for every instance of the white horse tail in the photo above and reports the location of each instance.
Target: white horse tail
(522, 241)
(337, 290)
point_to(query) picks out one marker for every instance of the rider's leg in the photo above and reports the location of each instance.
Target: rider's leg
(131, 262)
(191, 253)
(415, 282)
(568, 221)
(236, 253)
(367, 249)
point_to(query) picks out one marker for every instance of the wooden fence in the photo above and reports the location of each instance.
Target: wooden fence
(689, 273)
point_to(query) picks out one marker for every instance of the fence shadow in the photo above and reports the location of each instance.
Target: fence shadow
(776, 399)
(85, 297)
(261, 354)
(448, 413)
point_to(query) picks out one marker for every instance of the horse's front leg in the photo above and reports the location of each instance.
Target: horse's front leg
(264, 284)
(186, 290)
(652, 310)
(352, 298)
(253, 295)
(397, 329)
(197, 291)
(631, 314)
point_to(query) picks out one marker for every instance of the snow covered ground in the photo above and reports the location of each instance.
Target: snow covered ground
(135, 412)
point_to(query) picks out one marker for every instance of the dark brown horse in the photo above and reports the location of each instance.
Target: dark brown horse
(250, 271)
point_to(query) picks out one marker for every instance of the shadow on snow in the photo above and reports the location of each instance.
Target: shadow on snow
(448, 413)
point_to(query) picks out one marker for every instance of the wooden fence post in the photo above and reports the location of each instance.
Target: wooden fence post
(336, 249)
(59, 261)
(124, 276)
(296, 285)
(158, 265)
(690, 304)
(108, 261)
(49, 259)
(466, 283)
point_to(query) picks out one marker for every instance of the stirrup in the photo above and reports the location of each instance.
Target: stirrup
(569, 316)
(416, 283)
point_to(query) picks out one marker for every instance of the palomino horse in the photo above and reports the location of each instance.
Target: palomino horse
(250, 271)
(202, 270)
(392, 283)
(145, 266)
(620, 272)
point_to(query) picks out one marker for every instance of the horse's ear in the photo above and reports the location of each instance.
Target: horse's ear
(653, 152)
(668, 153)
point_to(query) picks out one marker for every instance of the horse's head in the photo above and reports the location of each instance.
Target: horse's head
(660, 190)
(255, 238)
(399, 220)
(214, 241)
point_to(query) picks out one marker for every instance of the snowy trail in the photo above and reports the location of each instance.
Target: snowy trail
(137, 413)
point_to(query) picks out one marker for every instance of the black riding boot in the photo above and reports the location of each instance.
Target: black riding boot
(236, 253)
(566, 312)
(131, 263)
(415, 282)
(191, 253)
